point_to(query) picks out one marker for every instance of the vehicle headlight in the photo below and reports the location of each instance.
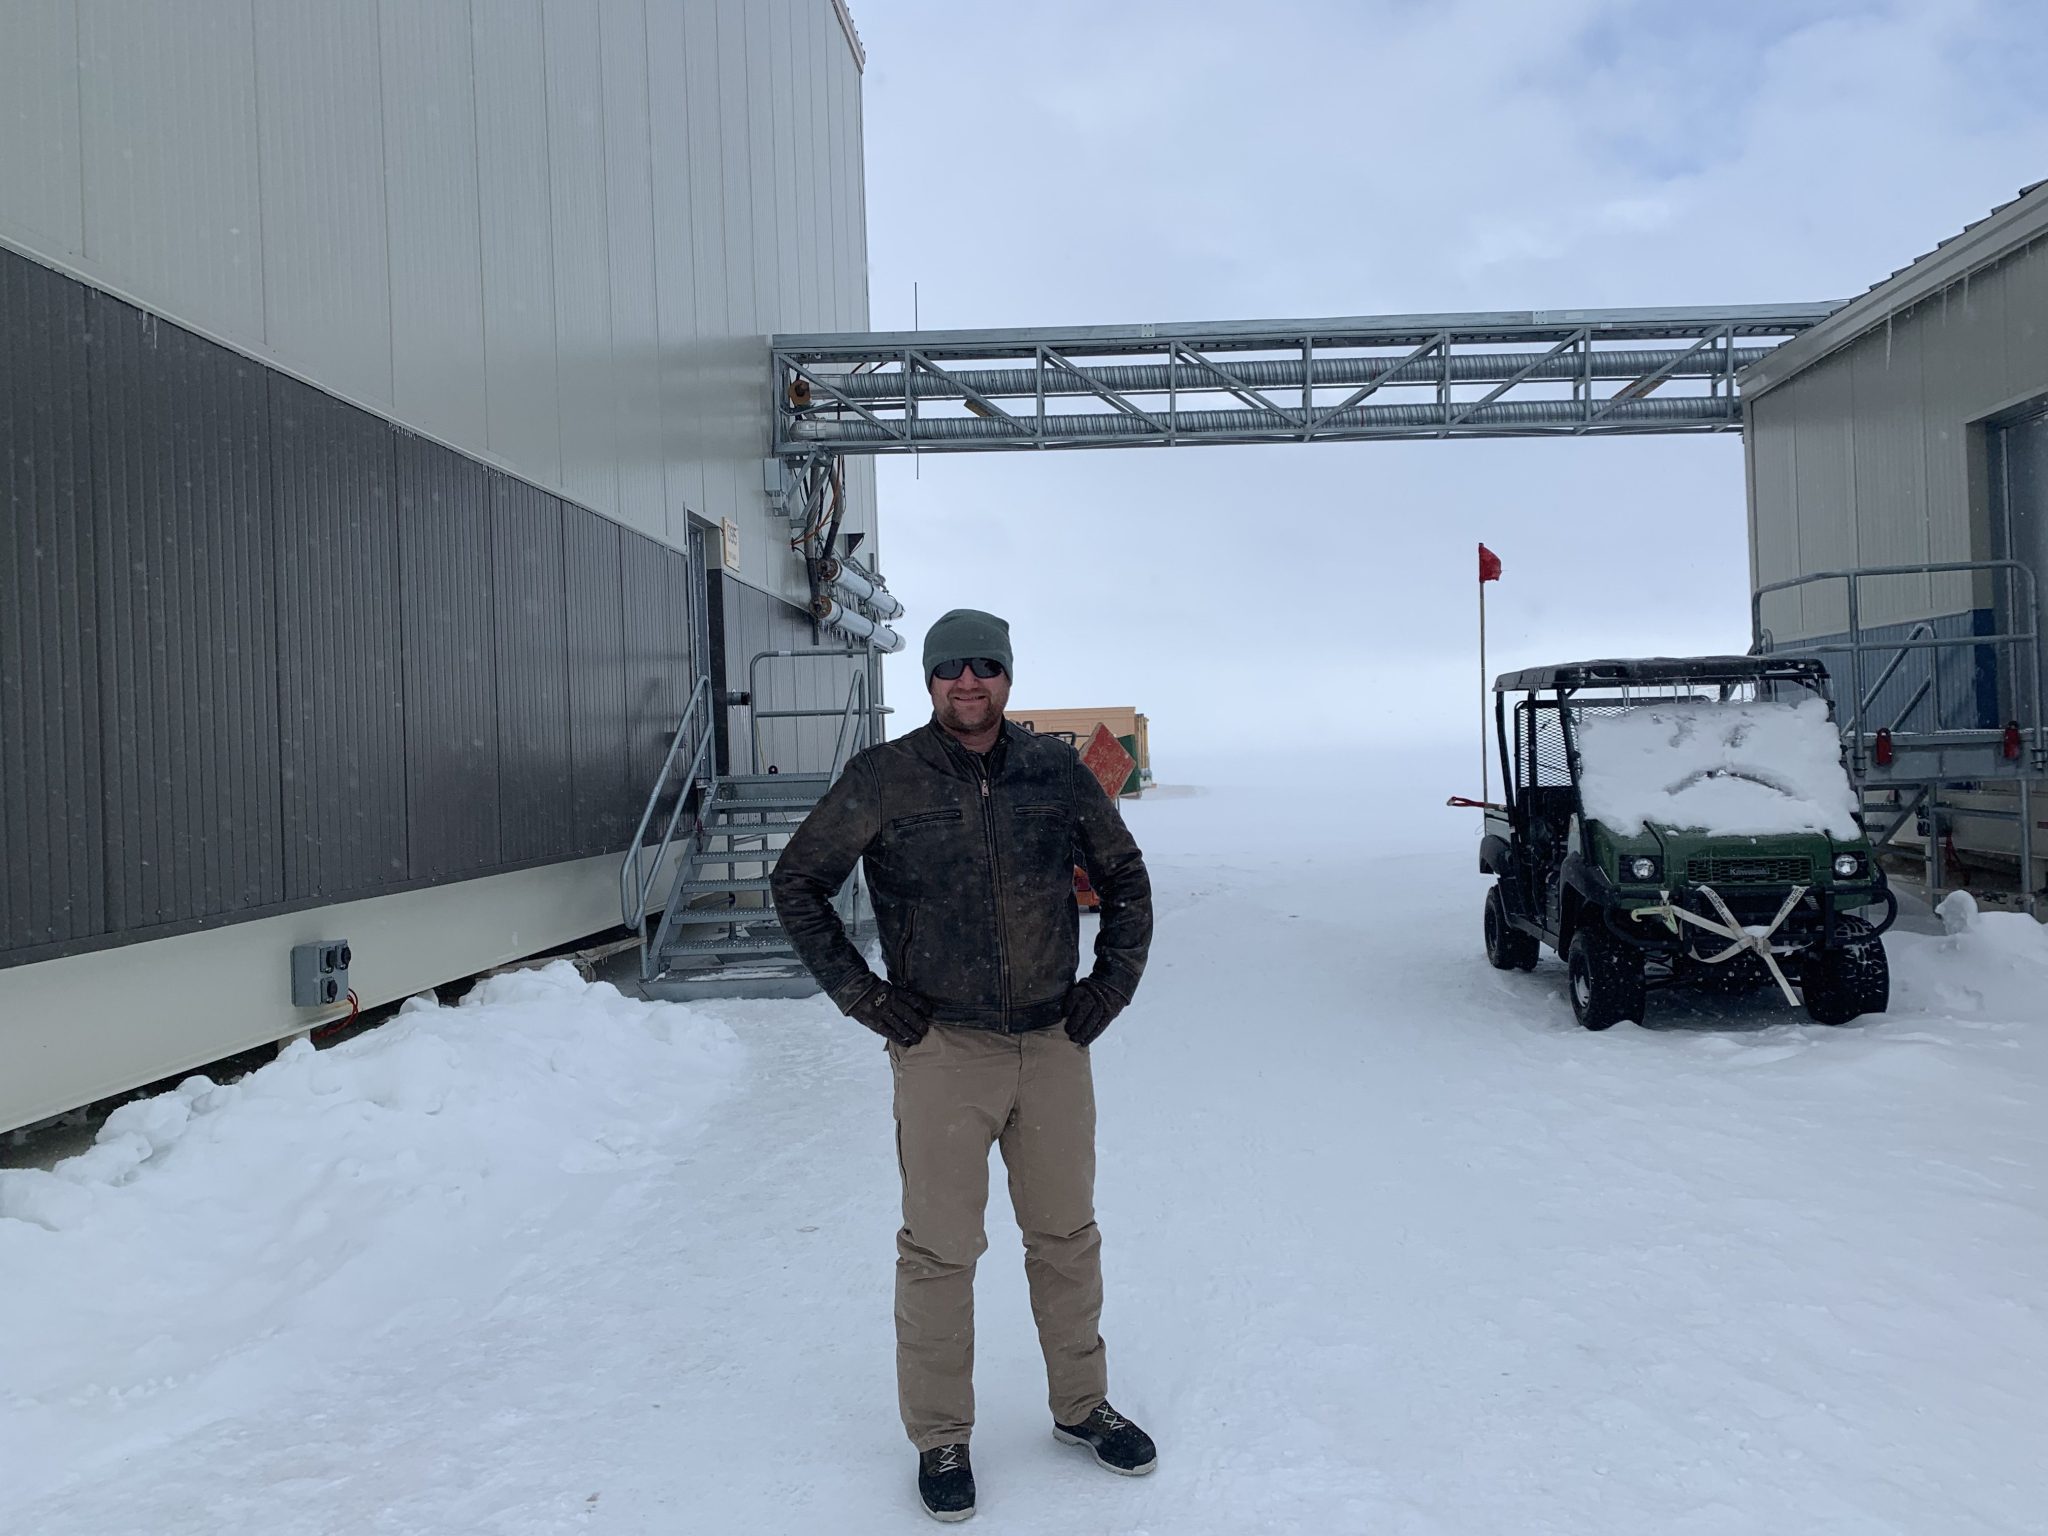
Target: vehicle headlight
(1640, 867)
(1848, 865)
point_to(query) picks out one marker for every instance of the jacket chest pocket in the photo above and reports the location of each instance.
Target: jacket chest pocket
(919, 852)
(1043, 837)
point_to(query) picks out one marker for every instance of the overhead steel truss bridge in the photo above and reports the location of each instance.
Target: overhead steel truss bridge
(1541, 373)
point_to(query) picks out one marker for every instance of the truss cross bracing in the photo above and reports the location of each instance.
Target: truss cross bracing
(1543, 373)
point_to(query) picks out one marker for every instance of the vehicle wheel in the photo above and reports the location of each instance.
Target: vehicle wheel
(1507, 947)
(1850, 980)
(1606, 979)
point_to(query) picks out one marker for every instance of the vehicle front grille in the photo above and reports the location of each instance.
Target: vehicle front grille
(1739, 871)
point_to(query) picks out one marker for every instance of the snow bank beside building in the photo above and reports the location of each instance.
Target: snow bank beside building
(1735, 770)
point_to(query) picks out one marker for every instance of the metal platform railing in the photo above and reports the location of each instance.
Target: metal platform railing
(2010, 747)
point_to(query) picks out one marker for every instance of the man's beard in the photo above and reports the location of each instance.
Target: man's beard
(985, 715)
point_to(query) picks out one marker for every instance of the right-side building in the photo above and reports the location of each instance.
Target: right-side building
(1898, 524)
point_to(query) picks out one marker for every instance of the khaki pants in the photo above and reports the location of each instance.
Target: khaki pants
(958, 1090)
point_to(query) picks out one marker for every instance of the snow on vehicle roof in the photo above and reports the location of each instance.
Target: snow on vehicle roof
(1734, 770)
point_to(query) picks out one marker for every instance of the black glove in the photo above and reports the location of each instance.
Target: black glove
(892, 1013)
(1090, 1008)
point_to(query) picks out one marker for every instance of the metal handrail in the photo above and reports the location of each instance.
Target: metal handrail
(756, 716)
(636, 886)
(2028, 702)
(856, 689)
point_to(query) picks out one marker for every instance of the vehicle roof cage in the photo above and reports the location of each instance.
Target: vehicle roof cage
(1660, 671)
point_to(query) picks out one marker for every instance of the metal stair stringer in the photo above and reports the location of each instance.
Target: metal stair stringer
(719, 936)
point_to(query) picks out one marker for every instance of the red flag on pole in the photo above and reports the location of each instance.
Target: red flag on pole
(1489, 565)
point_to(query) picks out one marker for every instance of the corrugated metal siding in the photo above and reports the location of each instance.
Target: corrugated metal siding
(518, 243)
(657, 638)
(188, 622)
(605, 802)
(552, 232)
(536, 810)
(341, 692)
(51, 876)
(172, 209)
(1909, 400)
(326, 251)
(259, 649)
(42, 183)
(629, 212)
(433, 215)
(451, 671)
(582, 254)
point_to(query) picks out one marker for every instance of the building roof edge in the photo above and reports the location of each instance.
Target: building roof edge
(1997, 235)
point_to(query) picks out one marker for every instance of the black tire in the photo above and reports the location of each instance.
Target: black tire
(1507, 947)
(1606, 980)
(1850, 980)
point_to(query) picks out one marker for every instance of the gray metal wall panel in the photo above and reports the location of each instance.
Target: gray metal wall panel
(434, 220)
(341, 693)
(518, 242)
(1890, 476)
(629, 209)
(1912, 395)
(799, 120)
(451, 673)
(1772, 442)
(535, 803)
(326, 261)
(685, 176)
(188, 622)
(690, 271)
(582, 254)
(657, 646)
(168, 99)
(42, 188)
(52, 881)
(605, 801)
(1825, 470)
(2026, 321)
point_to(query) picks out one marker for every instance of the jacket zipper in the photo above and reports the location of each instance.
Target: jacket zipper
(995, 865)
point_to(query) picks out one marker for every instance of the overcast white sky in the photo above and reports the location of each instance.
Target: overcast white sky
(1056, 163)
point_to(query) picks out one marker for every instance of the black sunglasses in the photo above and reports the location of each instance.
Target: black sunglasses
(981, 665)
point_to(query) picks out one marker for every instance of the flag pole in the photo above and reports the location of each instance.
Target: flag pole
(1484, 779)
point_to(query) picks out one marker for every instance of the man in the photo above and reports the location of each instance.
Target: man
(970, 828)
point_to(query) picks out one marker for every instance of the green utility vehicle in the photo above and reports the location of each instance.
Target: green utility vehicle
(1683, 821)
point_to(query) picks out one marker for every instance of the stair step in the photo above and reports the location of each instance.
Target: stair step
(750, 945)
(765, 803)
(714, 885)
(760, 979)
(762, 919)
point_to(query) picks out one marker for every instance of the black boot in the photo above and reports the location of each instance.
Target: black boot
(946, 1482)
(1118, 1444)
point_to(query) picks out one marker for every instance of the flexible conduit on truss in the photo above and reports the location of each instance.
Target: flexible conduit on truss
(1513, 415)
(1268, 373)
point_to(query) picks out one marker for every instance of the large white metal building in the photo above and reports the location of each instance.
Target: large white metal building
(1904, 439)
(383, 411)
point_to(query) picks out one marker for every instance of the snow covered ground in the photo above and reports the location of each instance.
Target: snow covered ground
(1392, 1247)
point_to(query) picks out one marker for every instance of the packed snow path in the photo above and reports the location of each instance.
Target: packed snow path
(1391, 1246)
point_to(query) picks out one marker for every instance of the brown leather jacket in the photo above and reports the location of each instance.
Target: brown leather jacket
(970, 864)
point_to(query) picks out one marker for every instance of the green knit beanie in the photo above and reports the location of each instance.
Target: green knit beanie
(964, 634)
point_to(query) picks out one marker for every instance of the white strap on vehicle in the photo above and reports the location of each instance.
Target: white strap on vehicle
(1741, 940)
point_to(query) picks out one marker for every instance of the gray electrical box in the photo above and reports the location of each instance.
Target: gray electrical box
(320, 973)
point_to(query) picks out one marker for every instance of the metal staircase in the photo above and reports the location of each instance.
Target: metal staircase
(1923, 711)
(717, 934)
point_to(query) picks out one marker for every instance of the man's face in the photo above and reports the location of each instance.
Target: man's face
(968, 704)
